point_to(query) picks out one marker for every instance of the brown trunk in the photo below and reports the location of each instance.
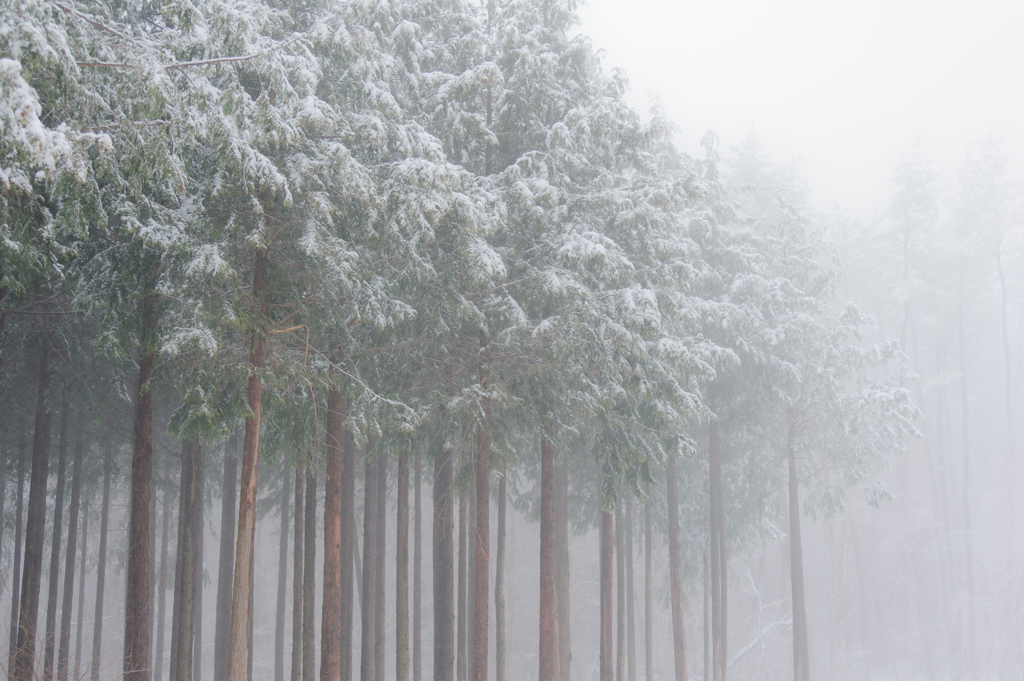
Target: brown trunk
(368, 654)
(402, 571)
(648, 592)
(460, 647)
(81, 592)
(101, 573)
(801, 657)
(185, 599)
(226, 566)
(252, 612)
(675, 575)
(282, 581)
(19, 524)
(499, 587)
(330, 620)
(309, 582)
(549, 653)
(417, 562)
(620, 595)
(162, 588)
(607, 576)
(379, 563)
(64, 646)
(136, 620)
(348, 562)
(482, 535)
(561, 510)
(197, 571)
(24, 658)
(58, 522)
(238, 643)
(297, 576)
(719, 568)
(444, 617)
(630, 605)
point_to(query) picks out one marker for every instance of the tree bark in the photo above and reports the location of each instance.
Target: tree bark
(801, 656)
(368, 653)
(607, 572)
(707, 619)
(561, 510)
(481, 571)
(309, 582)
(348, 560)
(242, 586)
(499, 586)
(35, 527)
(101, 572)
(136, 622)
(719, 583)
(675, 575)
(378, 586)
(199, 525)
(185, 600)
(158, 660)
(226, 562)
(81, 592)
(19, 524)
(443, 540)
(460, 647)
(630, 604)
(470, 489)
(297, 577)
(620, 594)
(64, 646)
(282, 583)
(58, 523)
(648, 592)
(330, 621)
(972, 636)
(549, 640)
(402, 571)
(417, 563)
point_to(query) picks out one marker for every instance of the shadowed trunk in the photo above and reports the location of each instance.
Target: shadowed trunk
(549, 653)
(620, 595)
(35, 526)
(561, 510)
(225, 569)
(499, 586)
(675, 575)
(443, 549)
(151, 623)
(162, 589)
(801, 657)
(81, 592)
(630, 604)
(348, 562)
(64, 647)
(402, 570)
(707, 619)
(482, 535)
(58, 522)
(297, 577)
(309, 582)
(238, 640)
(648, 593)
(199, 504)
(417, 564)
(19, 524)
(606, 561)
(368, 654)
(136, 616)
(719, 584)
(184, 622)
(330, 620)
(378, 586)
(101, 573)
(282, 581)
(470, 490)
(460, 646)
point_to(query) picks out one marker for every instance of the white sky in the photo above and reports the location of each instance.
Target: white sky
(844, 86)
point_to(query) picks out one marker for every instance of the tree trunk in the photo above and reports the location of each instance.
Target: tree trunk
(348, 561)
(158, 660)
(238, 652)
(330, 621)
(417, 562)
(379, 563)
(151, 620)
(443, 530)
(801, 656)
(460, 648)
(19, 524)
(972, 636)
(136, 621)
(64, 646)
(470, 490)
(1011, 660)
(607, 572)
(549, 640)
(58, 523)
(620, 594)
(297, 577)
(252, 611)
(482, 535)
(719, 584)
(561, 510)
(499, 586)
(199, 525)
(81, 592)
(309, 582)
(675, 575)
(35, 527)
(101, 572)
(226, 566)
(402, 571)
(282, 583)
(185, 600)
(707, 619)
(648, 592)
(630, 605)
(368, 653)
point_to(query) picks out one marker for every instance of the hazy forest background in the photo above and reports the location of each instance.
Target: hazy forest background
(388, 340)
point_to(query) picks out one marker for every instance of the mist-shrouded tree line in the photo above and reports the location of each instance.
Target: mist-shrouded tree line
(310, 312)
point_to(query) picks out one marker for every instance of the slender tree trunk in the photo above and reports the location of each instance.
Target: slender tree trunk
(185, 624)
(199, 505)
(460, 648)
(81, 592)
(252, 612)
(972, 635)
(282, 582)
(58, 522)
(482, 557)
(348, 562)
(309, 582)
(801, 656)
(330, 620)
(151, 622)
(136, 621)
(499, 586)
(417, 563)
(179, 552)
(648, 592)
(24, 658)
(707, 619)
(630, 605)
(675, 575)
(158, 660)
(719, 583)
(470, 490)
(549, 639)
(101, 572)
(242, 586)
(620, 595)
(297, 576)
(226, 566)
(379, 563)
(443, 530)
(607, 576)
(19, 524)
(368, 654)
(402, 571)
(561, 510)
(64, 646)
(3, 498)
